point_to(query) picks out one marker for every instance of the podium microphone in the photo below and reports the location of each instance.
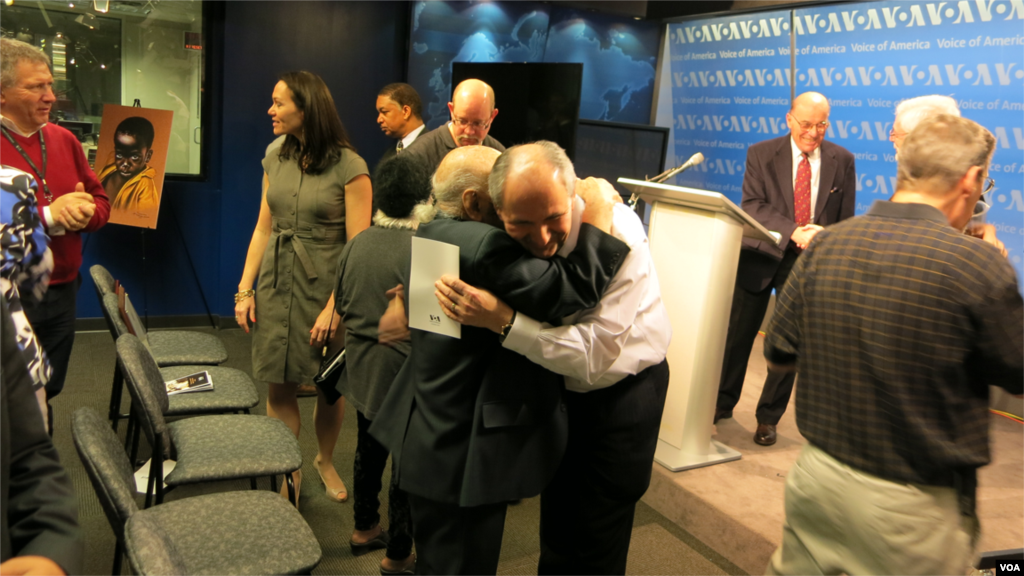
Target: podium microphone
(693, 161)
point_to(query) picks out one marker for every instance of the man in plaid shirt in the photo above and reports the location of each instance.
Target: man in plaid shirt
(899, 323)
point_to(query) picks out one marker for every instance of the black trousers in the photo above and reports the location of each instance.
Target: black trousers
(453, 539)
(586, 517)
(53, 321)
(371, 458)
(745, 318)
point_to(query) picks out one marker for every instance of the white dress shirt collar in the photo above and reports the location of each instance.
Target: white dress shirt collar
(10, 125)
(411, 136)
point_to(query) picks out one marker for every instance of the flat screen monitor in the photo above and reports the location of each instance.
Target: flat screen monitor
(535, 101)
(613, 150)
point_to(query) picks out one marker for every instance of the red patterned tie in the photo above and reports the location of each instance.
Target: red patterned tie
(802, 192)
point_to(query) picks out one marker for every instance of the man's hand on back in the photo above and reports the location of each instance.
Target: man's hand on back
(601, 198)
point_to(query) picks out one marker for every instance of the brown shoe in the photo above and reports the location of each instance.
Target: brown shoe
(765, 435)
(306, 390)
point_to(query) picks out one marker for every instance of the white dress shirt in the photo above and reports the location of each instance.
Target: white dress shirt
(815, 159)
(627, 332)
(410, 137)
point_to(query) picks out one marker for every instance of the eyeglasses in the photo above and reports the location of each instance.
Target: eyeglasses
(893, 134)
(990, 183)
(471, 124)
(807, 126)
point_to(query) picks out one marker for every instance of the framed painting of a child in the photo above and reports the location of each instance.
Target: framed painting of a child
(130, 159)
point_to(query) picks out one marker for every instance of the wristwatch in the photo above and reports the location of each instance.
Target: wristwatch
(507, 328)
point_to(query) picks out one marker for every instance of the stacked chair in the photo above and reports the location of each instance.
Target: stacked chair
(206, 448)
(226, 533)
(187, 351)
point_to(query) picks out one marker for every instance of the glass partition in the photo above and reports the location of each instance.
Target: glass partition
(110, 52)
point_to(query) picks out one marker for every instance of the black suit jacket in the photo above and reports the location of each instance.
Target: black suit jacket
(467, 421)
(768, 198)
(40, 514)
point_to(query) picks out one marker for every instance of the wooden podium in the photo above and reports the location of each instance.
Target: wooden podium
(695, 238)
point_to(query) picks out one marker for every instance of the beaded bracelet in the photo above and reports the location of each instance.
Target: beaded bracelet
(243, 295)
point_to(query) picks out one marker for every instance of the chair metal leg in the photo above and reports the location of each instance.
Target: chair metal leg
(273, 483)
(252, 483)
(292, 496)
(118, 555)
(136, 432)
(159, 457)
(116, 392)
(132, 422)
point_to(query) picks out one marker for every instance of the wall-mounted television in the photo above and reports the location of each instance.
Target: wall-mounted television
(535, 101)
(612, 150)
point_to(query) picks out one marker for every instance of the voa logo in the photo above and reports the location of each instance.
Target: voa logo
(906, 15)
(981, 74)
(884, 185)
(1012, 138)
(767, 125)
(719, 166)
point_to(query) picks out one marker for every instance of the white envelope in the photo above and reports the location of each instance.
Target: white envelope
(431, 260)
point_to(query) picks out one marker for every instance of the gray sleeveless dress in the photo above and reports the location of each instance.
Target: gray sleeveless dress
(300, 264)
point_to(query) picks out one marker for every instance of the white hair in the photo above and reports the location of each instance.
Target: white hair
(911, 112)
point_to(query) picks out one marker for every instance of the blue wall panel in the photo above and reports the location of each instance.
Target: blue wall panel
(865, 57)
(730, 89)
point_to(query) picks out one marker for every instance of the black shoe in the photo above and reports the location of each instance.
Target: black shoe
(720, 414)
(765, 435)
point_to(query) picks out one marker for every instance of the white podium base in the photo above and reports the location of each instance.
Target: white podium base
(676, 460)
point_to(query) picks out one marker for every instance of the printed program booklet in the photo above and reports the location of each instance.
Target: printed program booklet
(198, 382)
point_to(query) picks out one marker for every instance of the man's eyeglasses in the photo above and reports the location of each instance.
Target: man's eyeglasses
(471, 124)
(990, 183)
(893, 134)
(807, 126)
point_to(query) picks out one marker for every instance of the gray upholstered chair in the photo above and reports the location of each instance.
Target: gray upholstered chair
(203, 348)
(227, 533)
(169, 347)
(234, 390)
(206, 448)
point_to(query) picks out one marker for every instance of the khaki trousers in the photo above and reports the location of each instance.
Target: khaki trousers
(840, 520)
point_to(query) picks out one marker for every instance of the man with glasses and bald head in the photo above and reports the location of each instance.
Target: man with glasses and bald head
(472, 110)
(793, 185)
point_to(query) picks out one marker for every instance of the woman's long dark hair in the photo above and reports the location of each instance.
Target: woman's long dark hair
(322, 131)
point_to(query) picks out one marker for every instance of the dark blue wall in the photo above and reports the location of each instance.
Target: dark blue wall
(357, 47)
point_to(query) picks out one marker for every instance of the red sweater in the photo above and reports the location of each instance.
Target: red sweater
(66, 166)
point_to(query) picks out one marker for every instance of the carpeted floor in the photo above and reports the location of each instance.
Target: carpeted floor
(658, 547)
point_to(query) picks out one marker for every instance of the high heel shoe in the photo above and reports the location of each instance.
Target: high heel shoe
(336, 495)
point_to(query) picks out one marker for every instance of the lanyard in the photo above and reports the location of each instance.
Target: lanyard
(42, 173)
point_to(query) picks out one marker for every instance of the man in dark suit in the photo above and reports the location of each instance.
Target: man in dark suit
(400, 116)
(470, 425)
(40, 533)
(796, 199)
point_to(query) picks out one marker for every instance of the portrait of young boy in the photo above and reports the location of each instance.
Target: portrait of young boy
(127, 178)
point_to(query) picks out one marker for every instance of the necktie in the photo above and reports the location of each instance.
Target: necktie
(400, 146)
(802, 192)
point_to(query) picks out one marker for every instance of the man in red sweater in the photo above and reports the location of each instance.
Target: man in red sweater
(71, 200)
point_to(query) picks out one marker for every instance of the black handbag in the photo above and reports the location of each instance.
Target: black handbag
(327, 377)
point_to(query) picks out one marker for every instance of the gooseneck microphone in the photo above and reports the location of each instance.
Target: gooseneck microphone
(693, 161)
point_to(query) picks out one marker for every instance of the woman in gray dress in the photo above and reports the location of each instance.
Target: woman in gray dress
(316, 197)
